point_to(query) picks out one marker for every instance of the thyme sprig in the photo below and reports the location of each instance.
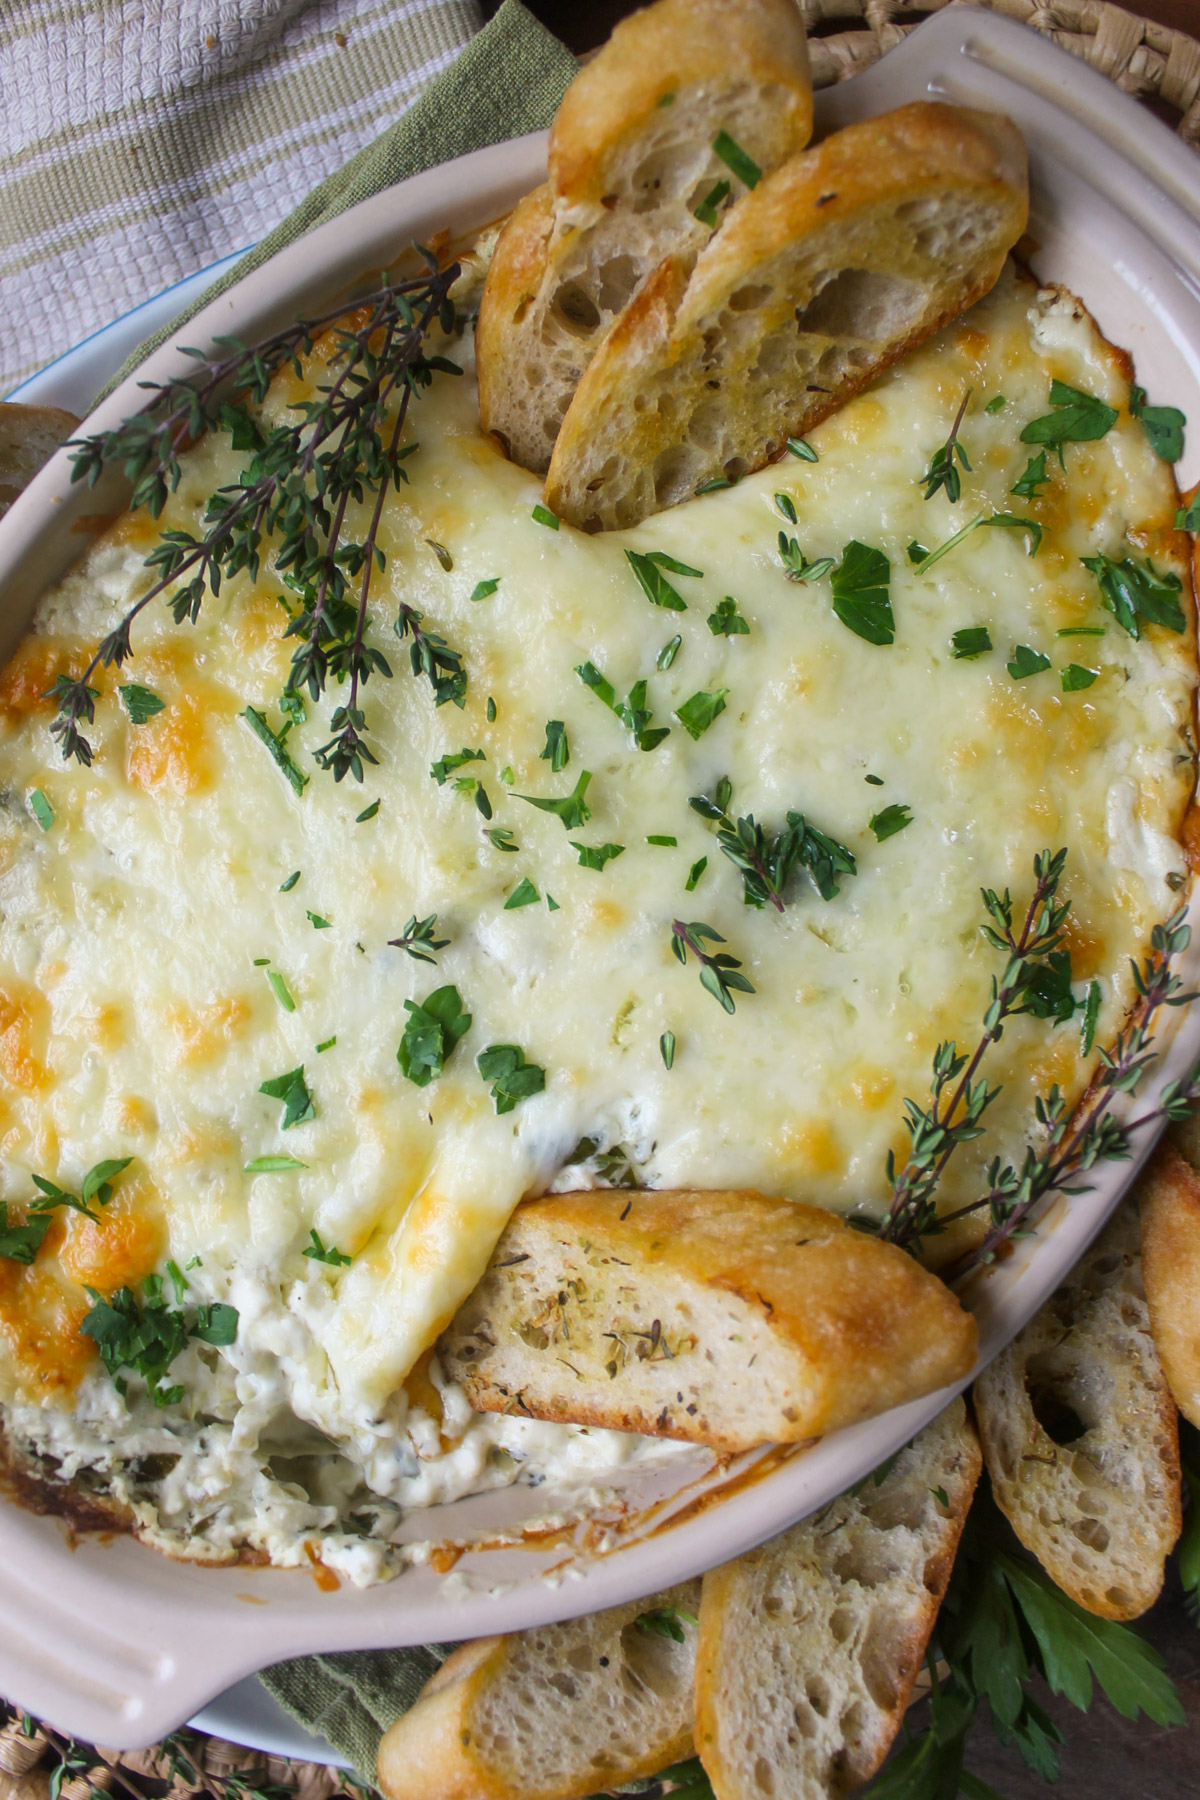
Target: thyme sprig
(294, 492)
(767, 860)
(958, 1100)
(718, 970)
(942, 472)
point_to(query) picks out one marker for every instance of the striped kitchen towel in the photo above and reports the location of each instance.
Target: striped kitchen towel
(141, 140)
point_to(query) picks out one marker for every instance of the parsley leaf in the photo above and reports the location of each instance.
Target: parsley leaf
(860, 593)
(98, 1182)
(337, 1259)
(1075, 677)
(436, 1025)
(727, 621)
(653, 583)
(1026, 662)
(673, 565)
(444, 767)
(148, 1338)
(41, 808)
(141, 703)
(694, 873)
(736, 159)
(972, 640)
(483, 590)
(1163, 425)
(595, 856)
(996, 404)
(558, 751)
(666, 1621)
(1078, 418)
(292, 1089)
(1187, 518)
(511, 1076)
(316, 921)
(1134, 592)
(21, 1242)
(573, 811)
(633, 713)
(524, 894)
(1030, 484)
(698, 713)
(887, 823)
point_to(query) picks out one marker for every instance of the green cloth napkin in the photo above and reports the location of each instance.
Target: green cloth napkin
(508, 80)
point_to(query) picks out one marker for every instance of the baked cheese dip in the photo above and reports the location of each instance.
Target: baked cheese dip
(304, 1044)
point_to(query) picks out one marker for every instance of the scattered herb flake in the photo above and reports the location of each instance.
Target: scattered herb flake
(1187, 518)
(694, 873)
(490, 710)
(887, 823)
(573, 811)
(543, 516)
(41, 808)
(1135, 591)
(673, 566)
(1026, 662)
(558, 750)
(368, 812)
(511, 1076)
(653, 582)
(326, 1045)
(141, 703)
(666, 1049)
(996, 404)
(1077, 418)
(442, 554)
(502, 838)
(971, 641)
(482, 803)
(595, 856)
(1075, 677)
(875, 780)
(797, 565)
(706, 212)
(434, 1028)
(552, 903)
(803, 449)
(524, 894)
(280, 756)
(727, 621)
(280, 989)
(1030, 484)
(336, 1259)
(700, 711)
(444, 767)
(1091, 1012)
(1070, 631)
(861, 597)
(668, 653)
(784, 504)
(483, 590)
(417, 940)
(1163, 425)
(292, 1089)
(665, 843)
(736, 159)
(285, 887)
(316, 921)
(272, 1165)
(718, 481)
(20, 1243)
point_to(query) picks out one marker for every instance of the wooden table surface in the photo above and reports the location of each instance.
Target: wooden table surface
(1105, 1755)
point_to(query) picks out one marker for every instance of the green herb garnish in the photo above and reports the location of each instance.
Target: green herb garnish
(435, 1027)
(337, 1259)
(653, 583)
(801, 448)
(41, 808)
(727, 621)
(444, 767)
(483, 590)
(971, 641)
(502, 838)
(700, 711)
(1075, 677)
(694, 873)
(665, 843)
(327, 1044)
(511, 1076)
(996, 404)
(1030, 484)
(768, 860)
(861, 597)
(147, 1339)
(668, 653)
(1135, 592)
(417, 939)
(292, 1089)
(279, 988)
(442, 554)
(275, 742)
(285, 887)
(543, 516)
(796, 564)
(316, 921)
(666, 1621)
(1078, 418)
(558, 751)
(706, 212)
(1163, 425)
(1025, 662)
(942, 471)
(596, 856)
(633, 712)
(368, 812)
(666, 1049)
(141, 703)
(887, 823)
(524, 894)
(572, 812)
(736, 159)
(272, 1165)
(718, 970)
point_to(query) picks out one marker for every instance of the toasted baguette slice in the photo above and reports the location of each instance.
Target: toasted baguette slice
(1169, 1193)
(1081, 1437)
(835, 265)
(726, 1318)
(627, 168)
(29, 436)
(552, 1713)
(809, 1647)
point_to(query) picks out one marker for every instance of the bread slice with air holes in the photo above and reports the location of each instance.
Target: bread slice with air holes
(726, 1318)
(1080, 1433)
(843, 258)
(29, 436)
(1169, 1195)
(555, 1712)
(809, 1646)
(630, 159)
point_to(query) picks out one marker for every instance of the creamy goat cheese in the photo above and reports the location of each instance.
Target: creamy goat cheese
(158, 965)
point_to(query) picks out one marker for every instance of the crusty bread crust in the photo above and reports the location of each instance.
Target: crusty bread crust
(552, 1713)
(836, 264)
(1169, 1193)
(727, 1319)
(29, 436)
(631, 157)
(1097, 1502)
(809, 1647)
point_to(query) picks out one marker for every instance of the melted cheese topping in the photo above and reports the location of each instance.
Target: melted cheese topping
(138, 931)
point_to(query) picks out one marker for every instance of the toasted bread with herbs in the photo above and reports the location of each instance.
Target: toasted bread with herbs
(553, 1713)
(1169, 1195)
(635, 175)
(809, 1646)
(725, 1318)
(843, 258)
(29, 436)
(1080, 1433)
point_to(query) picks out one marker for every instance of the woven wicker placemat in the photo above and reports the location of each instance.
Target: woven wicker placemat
(1142, 57)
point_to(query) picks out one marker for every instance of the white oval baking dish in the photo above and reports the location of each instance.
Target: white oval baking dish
(114, 1643)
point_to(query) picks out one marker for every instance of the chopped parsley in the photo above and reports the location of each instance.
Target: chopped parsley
(558, 751)
(706, 212)
(666, 1621)
(292, 1089)
(1135, 592)
(1187, 518)
(316, 921)
(595, 856)
(148, 1338)
(700, 711)
(861, 597)
(673, 565)
(633, 712)
(1075, 677)
(1163, 425)
(727, 621)
(970, 641)
(1077, 418)
(572, 812)
(141, 703)
(444, 767)
(285, 887)
(319, 1252)
(524, 894)
(1035, 478)
(544, 516)
(664, 843)
(668, 653)
(996, 404)
(653, 582)
(694, 873)
(327, 1044)
(1025, 662)
(736, 159)
(512, 1078)
(887, 823)
(279, 988)
(41, 808)
(20, 1243)
(435, 1027)
(483, 590)
(276, 745)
